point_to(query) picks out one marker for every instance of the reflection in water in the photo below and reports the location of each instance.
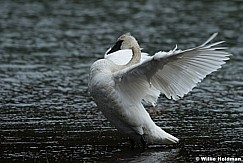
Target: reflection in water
(46, 114)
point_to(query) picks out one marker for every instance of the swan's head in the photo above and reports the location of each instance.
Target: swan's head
(125, 41)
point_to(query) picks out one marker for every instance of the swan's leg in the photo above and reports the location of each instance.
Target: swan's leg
(143, 142)
(132, 143)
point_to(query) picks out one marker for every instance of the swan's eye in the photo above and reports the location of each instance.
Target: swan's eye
(116, 47)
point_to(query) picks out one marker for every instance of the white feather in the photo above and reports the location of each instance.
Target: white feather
(122, 57)
(119, 91)
(174, 73)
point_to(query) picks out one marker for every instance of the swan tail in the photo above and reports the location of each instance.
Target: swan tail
(163, 137)
(170, 139)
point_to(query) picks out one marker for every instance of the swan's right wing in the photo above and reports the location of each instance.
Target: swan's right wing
(174, 73)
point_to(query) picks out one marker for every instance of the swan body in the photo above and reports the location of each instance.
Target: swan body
(126, 77)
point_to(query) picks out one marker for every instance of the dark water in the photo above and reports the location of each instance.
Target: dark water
(46, 48)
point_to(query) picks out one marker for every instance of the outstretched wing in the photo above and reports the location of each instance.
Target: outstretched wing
(174, 73)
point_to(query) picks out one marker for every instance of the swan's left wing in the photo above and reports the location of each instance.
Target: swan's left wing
(174, 73)
(122, 57)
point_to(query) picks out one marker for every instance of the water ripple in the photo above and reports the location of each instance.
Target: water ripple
(47, 47)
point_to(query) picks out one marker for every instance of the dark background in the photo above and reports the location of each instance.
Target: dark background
(47, 47)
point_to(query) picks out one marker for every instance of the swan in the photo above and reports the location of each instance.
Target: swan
(125, 78)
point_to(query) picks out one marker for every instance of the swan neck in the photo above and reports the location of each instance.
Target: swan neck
(136, 56)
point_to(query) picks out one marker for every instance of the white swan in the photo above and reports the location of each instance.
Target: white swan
(126, 77)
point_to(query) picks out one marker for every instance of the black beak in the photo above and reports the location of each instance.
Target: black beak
(116, 47)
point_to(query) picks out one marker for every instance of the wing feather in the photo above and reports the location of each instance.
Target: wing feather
(174, 73)
(126, 54)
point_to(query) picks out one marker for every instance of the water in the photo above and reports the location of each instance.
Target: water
(47, 47)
